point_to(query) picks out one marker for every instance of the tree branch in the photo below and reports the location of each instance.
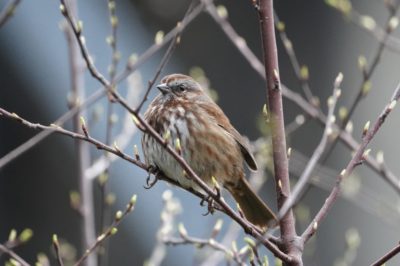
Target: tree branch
(13, 255)
(387, 256)
(281, 168)
(358, 158)
(305, 176)
(8, 11)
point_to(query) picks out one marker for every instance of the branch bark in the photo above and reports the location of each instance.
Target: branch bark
(290, 243)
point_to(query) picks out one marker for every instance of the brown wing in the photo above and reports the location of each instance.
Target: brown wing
(244, 147)
(220, 118)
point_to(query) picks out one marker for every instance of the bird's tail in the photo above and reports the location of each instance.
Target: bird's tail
(253, 207)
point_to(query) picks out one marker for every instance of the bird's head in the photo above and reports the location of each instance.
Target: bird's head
(177, 86)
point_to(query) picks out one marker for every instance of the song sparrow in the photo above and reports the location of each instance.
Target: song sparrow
(209, 143)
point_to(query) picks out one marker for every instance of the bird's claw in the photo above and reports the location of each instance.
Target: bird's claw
(149, 182)
(210, 205)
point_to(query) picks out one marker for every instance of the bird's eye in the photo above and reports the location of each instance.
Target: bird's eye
(182, 88)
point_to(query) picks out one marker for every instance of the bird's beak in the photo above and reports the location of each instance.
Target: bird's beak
(163, 88)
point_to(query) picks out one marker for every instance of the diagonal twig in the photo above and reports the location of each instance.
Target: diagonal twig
(367, 74)
(312, 163)
(387, 256)
(8, 11)
(13, 255)
(358, 158)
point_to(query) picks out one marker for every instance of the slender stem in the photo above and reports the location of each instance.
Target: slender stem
(358, 158)
(82, 148)
(199, 242)
(8, 11)
(110, 231)
(281, 167)
(305, 176)
(167, 54)
(115, 56)
(56, 247)
(387, 256)
(13, 255)
(367, 74)
(287, 44)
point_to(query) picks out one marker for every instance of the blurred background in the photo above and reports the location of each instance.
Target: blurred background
(35, 83)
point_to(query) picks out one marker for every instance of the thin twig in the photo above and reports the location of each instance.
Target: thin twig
(305, 177)
(112, 70)
(13, 255)
(297, 123)
(215, 245)
(392, 43)
(346, 138)
(288, 45)
(56, 246)
(21, 149)
(82, 148)
(171, 209)
(238, 41)
(185, 239)
(135, 88)
(110, 231)
(387, 256)
(367, 73)
(358, 158)
(175, 41)
(8, 11)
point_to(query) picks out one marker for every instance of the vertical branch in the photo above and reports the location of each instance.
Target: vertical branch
(112, 70)
(305, 176)
(82, 148)
(281, 169)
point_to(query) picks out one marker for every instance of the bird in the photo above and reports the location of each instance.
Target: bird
(209, 143)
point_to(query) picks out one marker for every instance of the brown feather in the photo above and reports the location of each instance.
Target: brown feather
(224, 123)
(253, 207)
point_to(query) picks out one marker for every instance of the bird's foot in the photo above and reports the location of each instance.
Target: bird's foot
(149, 181)
(210, 205)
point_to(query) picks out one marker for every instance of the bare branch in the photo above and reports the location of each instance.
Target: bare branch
(127, 131)
(56, 246)
(367, 73)
(300, 72)
(171, 209)
(387, 256)
(81, 148)
(189, 240)
(8, 11)
(110, 231)
(281, 167)
(305, 177)
(13, 255)
(358, 158)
